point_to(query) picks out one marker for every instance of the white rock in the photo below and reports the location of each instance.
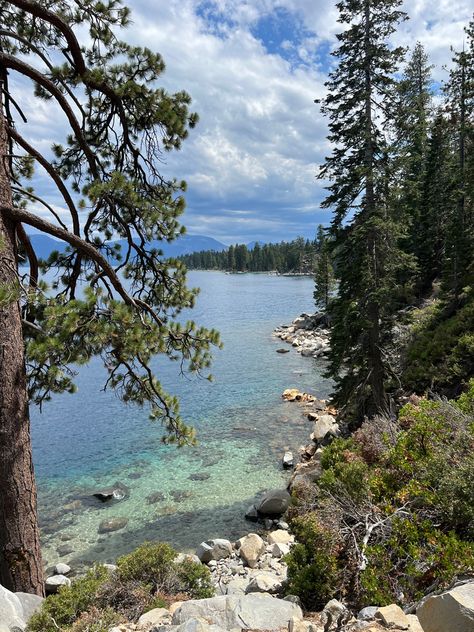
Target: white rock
(392, 616)
(264, 583)
(280, 536)
(30, 604)
(415, 625)
(155, 616)
(452, 611)
(54, 583)
(11, 610)
(62, 569)
(279, 549)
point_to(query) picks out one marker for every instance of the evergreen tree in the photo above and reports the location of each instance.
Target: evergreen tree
(120, 123)
(460, 104)
(324, 272)
(412, 120)
(367, 257)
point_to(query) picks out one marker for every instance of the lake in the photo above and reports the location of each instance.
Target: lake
(91, 440)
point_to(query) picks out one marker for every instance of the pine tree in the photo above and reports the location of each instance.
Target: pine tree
(412, 121)
(107, 174)
(324, 281)
(367, 257)
(460, 105)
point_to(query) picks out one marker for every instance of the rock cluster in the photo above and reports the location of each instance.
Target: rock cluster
(249, 565)
(308, 334)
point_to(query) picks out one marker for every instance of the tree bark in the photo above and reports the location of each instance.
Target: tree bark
(20, 553)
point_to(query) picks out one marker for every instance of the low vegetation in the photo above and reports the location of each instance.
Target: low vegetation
(149, 577)
(392, 516)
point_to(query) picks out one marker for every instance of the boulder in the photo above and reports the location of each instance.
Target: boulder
(288, 460)
(296, 625)
(257, 611)
(392, 616)
(274, 503)
(112, 524)
(264, 583)
(280, 549)
(291, 394)
(237, 586)
(54, 583)
(30, 604)
(251, 548)
(62, 569)
(367, 613)
(283, 351)
(11, 610)
(452, 611)
(335, 615)
(324, 426)
(280, 537)
(216, 549)
(251, 514)
(415, 625)
(155, 497)
(155, 617)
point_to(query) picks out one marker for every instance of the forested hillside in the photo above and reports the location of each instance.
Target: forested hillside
(298, 255)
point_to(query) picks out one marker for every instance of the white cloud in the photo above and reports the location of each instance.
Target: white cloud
(260, 138)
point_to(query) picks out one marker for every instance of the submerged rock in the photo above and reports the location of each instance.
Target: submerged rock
(155, 497)
(112, 524)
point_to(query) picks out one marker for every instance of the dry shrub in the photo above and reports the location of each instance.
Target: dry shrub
(375, 437)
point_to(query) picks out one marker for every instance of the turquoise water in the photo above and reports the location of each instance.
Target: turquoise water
(91, 440)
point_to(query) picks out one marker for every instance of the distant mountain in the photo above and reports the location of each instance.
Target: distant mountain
(251, 245)
(44, 245)
(184, 245)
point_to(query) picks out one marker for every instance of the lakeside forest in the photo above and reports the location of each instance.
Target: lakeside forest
(380, 508)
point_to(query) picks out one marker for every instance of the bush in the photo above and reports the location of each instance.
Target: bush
(312, 562)
(149, 564)
(153, 564)
(95, 620)
(64, 608)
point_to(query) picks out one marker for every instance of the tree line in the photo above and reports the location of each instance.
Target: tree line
(298, 255)
(400, 182)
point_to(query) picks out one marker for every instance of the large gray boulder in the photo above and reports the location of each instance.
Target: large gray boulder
(11, 610)
(452, 611)
(325, 427)
(54, 583)
(274, 503)
(217, 549)
(30, 604)
(253, 611)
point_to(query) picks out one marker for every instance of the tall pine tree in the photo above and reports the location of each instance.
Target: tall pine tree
(367, 258)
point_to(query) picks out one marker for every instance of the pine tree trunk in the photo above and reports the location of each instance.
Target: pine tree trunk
(20, 555)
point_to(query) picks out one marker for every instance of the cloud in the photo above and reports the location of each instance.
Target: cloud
(253, 69)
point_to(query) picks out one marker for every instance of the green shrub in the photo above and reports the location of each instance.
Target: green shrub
(414, 557)
(194, 579)
(312, 563)
(150, 563)
(69, 603)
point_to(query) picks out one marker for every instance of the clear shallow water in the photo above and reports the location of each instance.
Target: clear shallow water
(91, 440)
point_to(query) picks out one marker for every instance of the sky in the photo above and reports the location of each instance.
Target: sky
(253, 69)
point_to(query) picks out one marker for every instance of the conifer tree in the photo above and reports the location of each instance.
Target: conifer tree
(324, 281)
(460, 105)
(412, 120)
(367, 257)
(120, 123)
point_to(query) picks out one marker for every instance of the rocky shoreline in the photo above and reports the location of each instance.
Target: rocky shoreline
(308, 334)
(250, 576)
